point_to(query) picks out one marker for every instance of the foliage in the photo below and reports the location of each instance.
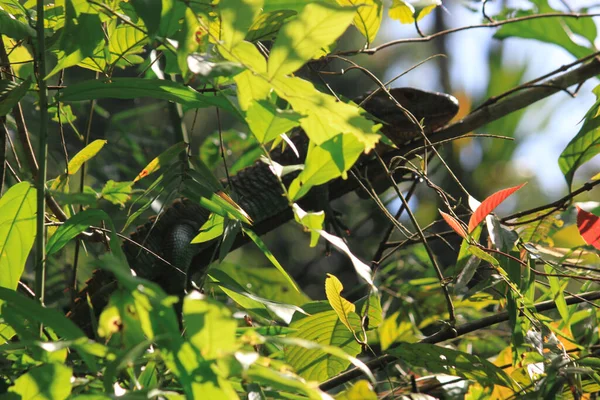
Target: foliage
(145, 71)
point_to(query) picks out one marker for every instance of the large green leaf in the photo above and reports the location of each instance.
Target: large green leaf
(14, 28)
(549, 30)
(324, 328)
(236, 19)
(81, 35)
(149, 11)
(267, 122)
(131, 88)
(442, 360)
(73, 227)
(209, 326)
(585, 145)
(50, 381)
(316, 26)
(17, 231)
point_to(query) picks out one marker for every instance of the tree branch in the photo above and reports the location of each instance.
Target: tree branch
(447, 334)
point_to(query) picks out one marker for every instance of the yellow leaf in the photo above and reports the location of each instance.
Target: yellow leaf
(162, 160)
(368, 16)
(84, 155)
(402, 11)
(342, 307)
(405, 11)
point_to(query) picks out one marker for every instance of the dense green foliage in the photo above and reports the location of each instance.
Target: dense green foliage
(494, 308)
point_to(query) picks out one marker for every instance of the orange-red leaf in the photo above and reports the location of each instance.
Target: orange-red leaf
(488, 205)
(589, 227)
(454, 224)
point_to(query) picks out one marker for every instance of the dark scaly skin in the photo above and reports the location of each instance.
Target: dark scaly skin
(258, 192)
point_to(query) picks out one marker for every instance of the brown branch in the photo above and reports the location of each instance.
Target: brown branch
(447, 334)
(556, 205)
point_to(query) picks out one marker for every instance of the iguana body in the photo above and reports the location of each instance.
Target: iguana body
(259, 193)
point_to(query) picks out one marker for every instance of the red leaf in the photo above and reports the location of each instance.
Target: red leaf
(589, 227)
(488, 205)
(454, 224)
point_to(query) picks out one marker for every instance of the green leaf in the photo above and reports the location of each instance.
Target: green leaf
(585, 145)
(74, 226)
(236, 18)
(50, 381)
(549, 30)
(368, 16)
(163, 160)
(150, 12)
(390, 331)
(261, 245)
(557, 288)
(267, 122)
(266, 26)
(264, 308)
(209, 326)
(482, 254)
(442, 360)
(81, 35)
(342, 307)
(361, 390)
(17, 231)
(131, 88)
(14, 28)
(117, 192)
(264, 282)
(212, 229)
(316, 26)
(11, 93)
(326, 329)
(188, 43)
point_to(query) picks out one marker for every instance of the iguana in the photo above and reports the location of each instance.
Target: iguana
(258, 191)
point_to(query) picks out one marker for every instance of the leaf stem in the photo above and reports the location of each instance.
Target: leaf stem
(40, 62)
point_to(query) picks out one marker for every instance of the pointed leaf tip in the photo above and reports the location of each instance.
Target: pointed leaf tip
(489, 204)
(454, 224)
(589, 227)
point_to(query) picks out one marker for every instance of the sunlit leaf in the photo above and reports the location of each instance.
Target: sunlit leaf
(236, 18)
(585, 145)
(489, 204)
(267, 25)
(17, 231)
(589, 227)
(162, 160)
(267, 121)
(317, 25)
(117, 192)
(368, 16)
(406, 11)
(341, 306)
(361, 390)
(324, 328)
(209, 326)
(49, 381)
(81, 35)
